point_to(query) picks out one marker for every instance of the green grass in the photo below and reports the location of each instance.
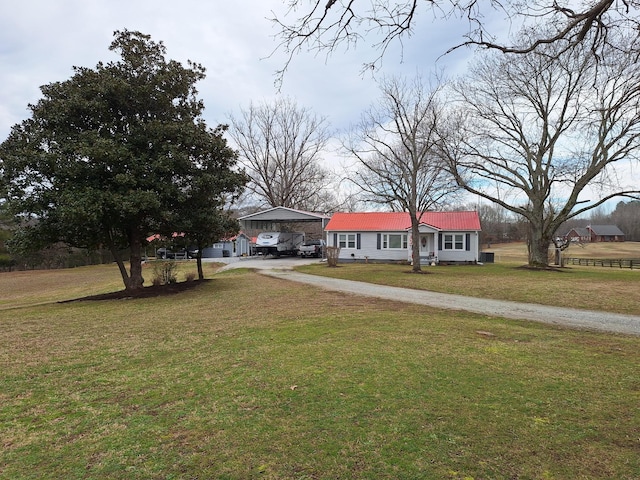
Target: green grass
(24, 288)
(517, 251)
(251, 377)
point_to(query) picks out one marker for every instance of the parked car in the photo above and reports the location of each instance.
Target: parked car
(180, 254)
(312, 248)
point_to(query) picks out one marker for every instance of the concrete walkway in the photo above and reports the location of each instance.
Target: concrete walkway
(593, 320)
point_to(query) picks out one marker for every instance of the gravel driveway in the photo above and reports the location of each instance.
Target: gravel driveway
(609, 322)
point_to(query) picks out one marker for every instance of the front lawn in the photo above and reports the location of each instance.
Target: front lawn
(249, 377)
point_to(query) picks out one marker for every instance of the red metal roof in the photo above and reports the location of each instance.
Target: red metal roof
(398, 221)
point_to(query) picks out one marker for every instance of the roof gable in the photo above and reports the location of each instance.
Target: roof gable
(399, 221)
(284, 214)
(580, 231)
(235, 237)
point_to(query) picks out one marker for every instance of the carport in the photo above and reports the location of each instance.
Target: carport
(275, 219)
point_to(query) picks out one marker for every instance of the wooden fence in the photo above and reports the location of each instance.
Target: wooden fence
(604, 262)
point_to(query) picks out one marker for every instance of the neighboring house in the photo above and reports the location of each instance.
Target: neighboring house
(386, 236)
(596, 233)
(605, 233)
(578, 235)
(236, 246)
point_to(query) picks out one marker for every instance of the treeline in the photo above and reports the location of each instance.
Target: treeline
(499, 226)
(58, 255)
(626, 216)
(52, 257)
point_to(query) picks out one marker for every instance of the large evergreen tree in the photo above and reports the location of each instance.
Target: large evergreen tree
(107, 155)
(201, 214)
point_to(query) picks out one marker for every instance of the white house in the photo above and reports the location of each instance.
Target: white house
(386, 236)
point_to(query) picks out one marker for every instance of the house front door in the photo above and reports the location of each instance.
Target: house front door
(426, 246)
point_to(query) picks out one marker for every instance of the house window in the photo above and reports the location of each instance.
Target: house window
(454, 242)
(394, 241)
(347, 240)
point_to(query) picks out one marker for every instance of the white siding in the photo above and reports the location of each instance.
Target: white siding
(369, 248)
(461, 255)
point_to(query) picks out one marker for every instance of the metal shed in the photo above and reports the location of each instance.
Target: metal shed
(274, 218)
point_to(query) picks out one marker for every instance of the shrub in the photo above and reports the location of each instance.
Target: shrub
(164, 272)
(333, 253)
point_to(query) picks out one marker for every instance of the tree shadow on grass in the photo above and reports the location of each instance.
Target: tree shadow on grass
(548, 268)
(152, 291)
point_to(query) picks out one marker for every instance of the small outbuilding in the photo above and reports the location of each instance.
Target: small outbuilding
(237, 246)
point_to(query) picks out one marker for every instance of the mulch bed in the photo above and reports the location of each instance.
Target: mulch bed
(146, 292)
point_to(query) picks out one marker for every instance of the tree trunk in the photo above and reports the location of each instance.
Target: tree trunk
(136, 281)
(120, 263)
(118, 258)
(199, 264)
(415, 243)
(538, 243)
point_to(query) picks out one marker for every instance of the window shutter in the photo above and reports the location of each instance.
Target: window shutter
(439, 241)
(468, 242)
(335, 240)
(379, 242)
(358, 244)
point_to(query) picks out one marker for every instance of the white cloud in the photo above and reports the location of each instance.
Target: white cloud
(41, 40)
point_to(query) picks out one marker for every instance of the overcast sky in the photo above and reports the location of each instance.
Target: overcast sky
(40, 41)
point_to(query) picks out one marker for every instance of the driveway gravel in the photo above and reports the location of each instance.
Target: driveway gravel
(585, 319)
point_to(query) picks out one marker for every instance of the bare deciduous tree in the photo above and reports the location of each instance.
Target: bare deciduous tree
(324, 26)
(538, 133)
(496, 223)
(280, 146)
(395, 147)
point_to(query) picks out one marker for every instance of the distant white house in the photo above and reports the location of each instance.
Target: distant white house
(386, 236)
